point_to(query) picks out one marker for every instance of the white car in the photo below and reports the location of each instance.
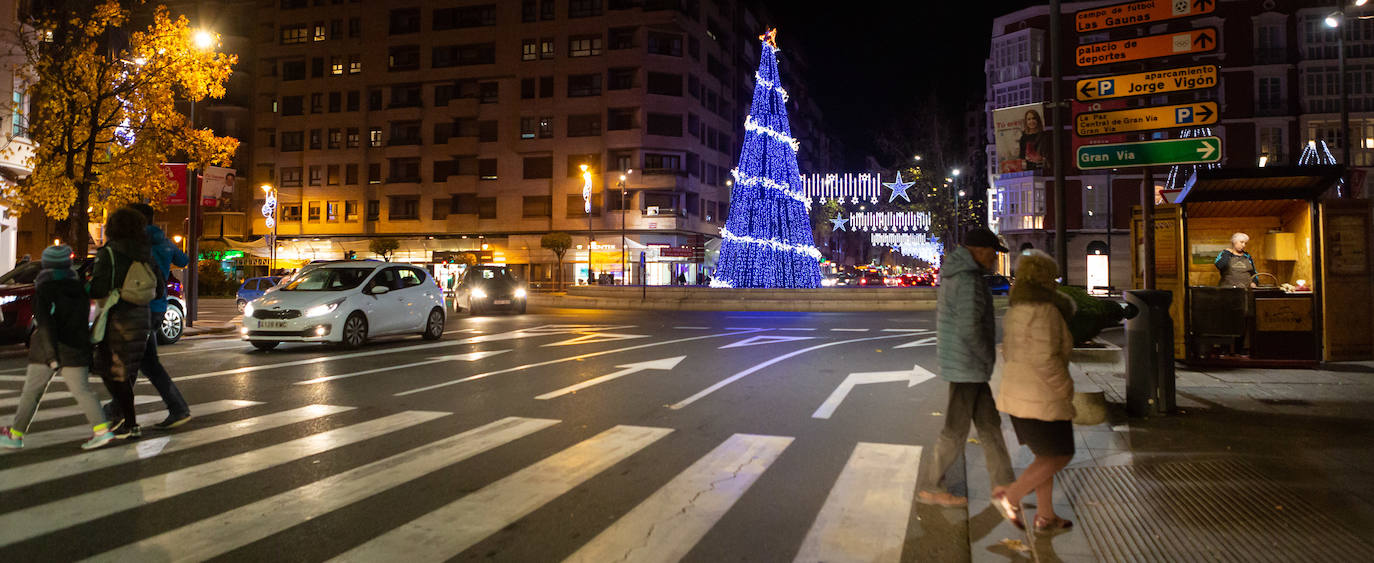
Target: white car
(347, 302)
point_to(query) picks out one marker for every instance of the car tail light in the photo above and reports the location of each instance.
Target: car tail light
(863, 281)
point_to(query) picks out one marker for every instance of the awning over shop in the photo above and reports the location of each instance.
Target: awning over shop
(1261, 184)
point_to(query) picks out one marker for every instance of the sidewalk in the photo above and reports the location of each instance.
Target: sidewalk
(1256, 465)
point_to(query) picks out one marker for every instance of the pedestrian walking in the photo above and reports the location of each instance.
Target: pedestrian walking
(60, 343)
(966, 346)
(1036, 389)
(165, 254)
(120, 280)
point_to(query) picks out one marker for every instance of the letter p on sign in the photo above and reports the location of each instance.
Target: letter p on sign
(1105, 88)
(1183, 115)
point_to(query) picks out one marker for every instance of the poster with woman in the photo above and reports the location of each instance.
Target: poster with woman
(1023, 143)
(217, 187)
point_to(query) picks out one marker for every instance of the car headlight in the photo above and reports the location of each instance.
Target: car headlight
(6, 300)
(520, 293)
(477, 293)
(248, 310)
(325, 309)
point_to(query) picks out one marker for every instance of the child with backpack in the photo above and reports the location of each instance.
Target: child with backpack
(61, 342)
(124, 281)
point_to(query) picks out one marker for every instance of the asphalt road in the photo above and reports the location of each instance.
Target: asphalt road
(581, 435)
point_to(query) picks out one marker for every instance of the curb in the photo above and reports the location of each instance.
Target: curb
(829, 306)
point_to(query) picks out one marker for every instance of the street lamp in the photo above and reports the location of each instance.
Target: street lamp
(204, 40)
(1334, 21)
(624, 275)
(587, 207)
(958, 217)
(269, 214)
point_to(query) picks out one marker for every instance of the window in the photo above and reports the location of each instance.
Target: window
(374, 100)
(546, 86)
(486, 131)
(584, 46)
(621, 38)
(546, 9)
(463, 204)
(622, 78)
(584, 125)
(351, 103)
(404, 57)
(546, 127)
(406, 96)
(290, 177)
(470, 16)
(694, 128)
(464, 55)
(439, 208)
(355, 28)
(528, 125)
(351, 138)
(293, 70)
(336, 28)
(546, 48)
(316, 175)
(314, 211)
(403, 208)
(374, 137)
(374, 209)
(584, 8)
(621, 160)
(292, 141)
(620, 119)
(335, 138)
(575, 162)
(293, 34)
(538, 167)
(581, 85)
(527, 88)
(374, 173)
(403, 170)
(1269, 95)
(694, 48)
(665, 84)
(537, 206)
(486, 208)
(529, 10)
(529, 50)
(489, 92)
(316, 103)
(405, 21)
(355, 64)
(667, 124)
(405, 133)
(486, 168)
(293, 105)
(336, 66)
(317, 67)
(662, 162)
(351, 211)
(442, 132)
(331, 211)
(694, 86)
(291, 213)
(665, 44)
(351, 174)
(335, 102)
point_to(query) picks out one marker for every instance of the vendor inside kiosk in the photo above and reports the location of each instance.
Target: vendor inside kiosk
(1264, 270)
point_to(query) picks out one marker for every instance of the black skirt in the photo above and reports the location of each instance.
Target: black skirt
(1044, 437)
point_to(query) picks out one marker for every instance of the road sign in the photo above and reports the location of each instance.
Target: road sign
(1197, 150)
(1148, 47)
(1147, 83)
(1140, 12)
(1145, 119)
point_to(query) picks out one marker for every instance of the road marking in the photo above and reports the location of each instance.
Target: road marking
(596, 338)
(741, 375)
(798, 329)
(57, 515)
(848, 330)
(55, 396)
(75, 410)
(241, 526)
(560, 360)
(670, 522)
(865, 516)
(9, 391)
(83, 431)
(909, 330)
(666, 364)
(765, 339)
(692, 327)
(468, 357)
(913, 377)
(24, 476)
(754, 328)
(446, 532)
(927, 341)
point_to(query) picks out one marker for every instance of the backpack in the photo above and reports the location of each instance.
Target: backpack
(140, 282)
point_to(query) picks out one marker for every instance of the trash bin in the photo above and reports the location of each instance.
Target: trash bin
(1149, 354)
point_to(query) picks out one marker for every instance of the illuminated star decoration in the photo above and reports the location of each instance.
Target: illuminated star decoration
(838, 223)
(898, 189)
(770, 37)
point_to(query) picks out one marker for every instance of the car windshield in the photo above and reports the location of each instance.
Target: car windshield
(329, 279)
(25, 273)
(493, 273)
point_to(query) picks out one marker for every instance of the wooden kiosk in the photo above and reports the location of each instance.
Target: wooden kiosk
(1312, 300)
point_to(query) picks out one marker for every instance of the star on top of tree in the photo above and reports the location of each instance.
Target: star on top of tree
(898, 189)
(838, 223)
(770, 37)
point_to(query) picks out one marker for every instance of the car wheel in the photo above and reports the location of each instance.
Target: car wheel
(473, 309)
(434, 326)
(173, 323)
(264, 345)
(355, 331)
(242, 304)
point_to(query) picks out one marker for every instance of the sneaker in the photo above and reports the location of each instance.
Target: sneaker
(173, 421)
(98, 440)
(11, 438)
(125, 431)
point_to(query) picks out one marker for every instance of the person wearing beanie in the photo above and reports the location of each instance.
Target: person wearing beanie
(61, 343)
(1036, 388)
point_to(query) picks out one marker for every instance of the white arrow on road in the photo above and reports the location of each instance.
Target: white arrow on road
(1207, 149)
(914, 377)
(666, 364)
(468, 357)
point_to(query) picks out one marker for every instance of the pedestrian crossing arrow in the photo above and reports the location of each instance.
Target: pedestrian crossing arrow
(913, 377)
(666, 364)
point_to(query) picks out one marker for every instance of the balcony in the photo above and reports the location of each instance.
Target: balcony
(462, 145)
(394, 150)
(464, 107)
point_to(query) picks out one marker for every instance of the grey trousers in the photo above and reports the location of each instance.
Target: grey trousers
(969, 402)
(36, 383)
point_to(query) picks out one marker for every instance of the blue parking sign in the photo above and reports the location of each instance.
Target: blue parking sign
(1183, 115)
(1106, 88)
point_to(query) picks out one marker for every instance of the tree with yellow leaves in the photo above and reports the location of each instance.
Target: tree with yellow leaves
(103, 115)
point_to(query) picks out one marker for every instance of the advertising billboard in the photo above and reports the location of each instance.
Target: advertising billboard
(217, 187)
(1022, 139)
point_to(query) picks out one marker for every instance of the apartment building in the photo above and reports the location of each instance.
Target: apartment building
(15, 145)
(466, 126)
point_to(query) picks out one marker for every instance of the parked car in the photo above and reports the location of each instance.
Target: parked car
(16, 304)
(998, 284)
(488, 288)
(870, 278)
(253, 288)
(346, 302)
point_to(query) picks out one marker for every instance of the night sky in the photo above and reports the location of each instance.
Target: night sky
(871, 61)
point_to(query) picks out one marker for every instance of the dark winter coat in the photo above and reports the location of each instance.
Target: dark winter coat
(126, 332)
(61, 309)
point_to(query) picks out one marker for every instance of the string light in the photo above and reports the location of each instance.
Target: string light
(890, 220)
(769, 183)
(755, 127)
(766, 83)
(899, 188)
(839, 188)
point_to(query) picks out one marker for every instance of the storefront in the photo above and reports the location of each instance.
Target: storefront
(1309, 299)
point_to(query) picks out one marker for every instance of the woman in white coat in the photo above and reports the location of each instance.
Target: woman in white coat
(1036, 389)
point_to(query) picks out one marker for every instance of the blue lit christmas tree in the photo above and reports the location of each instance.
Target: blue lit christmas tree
(766, 241)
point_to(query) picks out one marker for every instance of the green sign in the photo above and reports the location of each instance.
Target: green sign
(1198, 150)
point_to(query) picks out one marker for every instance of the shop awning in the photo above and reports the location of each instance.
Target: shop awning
(1261, 184)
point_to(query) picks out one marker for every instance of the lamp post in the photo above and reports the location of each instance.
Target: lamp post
(624, 275)
(958, 217)
(203, 40)
(587, 207)
(269, 214)
(1334, 21)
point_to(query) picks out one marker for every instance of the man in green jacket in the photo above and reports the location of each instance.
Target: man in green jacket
(966, 346)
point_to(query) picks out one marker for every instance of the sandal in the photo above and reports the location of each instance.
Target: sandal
(1009, 511)
(1051, 524)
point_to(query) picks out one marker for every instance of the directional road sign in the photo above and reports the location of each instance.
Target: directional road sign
(1147, 83)
(1148, 47)
(1197, 150)
(1140, 12)
(1145, 119)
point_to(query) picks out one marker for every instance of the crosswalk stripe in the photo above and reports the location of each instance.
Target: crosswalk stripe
(57, 515)
(9, 391)
(83, 431)
(666, 525)
(58, 395)
(215, 536)
(449, 530)
(26, 475)
(865, 516)
(75, 410)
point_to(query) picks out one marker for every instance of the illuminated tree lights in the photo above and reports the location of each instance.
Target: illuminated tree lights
(767, 241)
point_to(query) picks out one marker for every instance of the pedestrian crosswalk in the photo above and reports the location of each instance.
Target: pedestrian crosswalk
(864, 516)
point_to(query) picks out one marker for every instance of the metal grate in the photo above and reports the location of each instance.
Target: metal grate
(1203, 511)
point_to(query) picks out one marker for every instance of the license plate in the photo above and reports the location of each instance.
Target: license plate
(501, 302)
(271, 324)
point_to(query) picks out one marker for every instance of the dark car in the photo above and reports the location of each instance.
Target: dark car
(16, 304)
(253, 288)
(490, 288)
(998, 284)
(871, 279)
